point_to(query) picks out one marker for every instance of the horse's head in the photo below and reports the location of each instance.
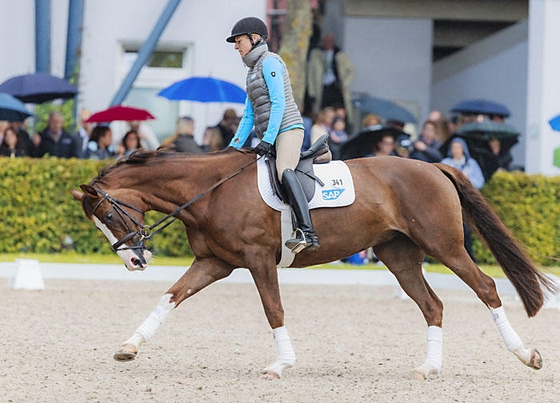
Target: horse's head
(120, 221)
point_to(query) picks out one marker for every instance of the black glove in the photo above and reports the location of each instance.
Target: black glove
(264, 149)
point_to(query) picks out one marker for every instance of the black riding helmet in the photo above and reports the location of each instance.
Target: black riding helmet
(247, 26)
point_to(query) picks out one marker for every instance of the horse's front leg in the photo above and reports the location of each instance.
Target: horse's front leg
(266, 280)
(202, 273)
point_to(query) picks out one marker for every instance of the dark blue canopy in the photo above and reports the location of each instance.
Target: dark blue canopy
(481, 106)
(37, 88)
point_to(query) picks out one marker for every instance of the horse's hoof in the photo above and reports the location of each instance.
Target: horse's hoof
(127, 353)
(536, 360)
(422, 372)
(269, 375)
(274, 371)
(417, 375)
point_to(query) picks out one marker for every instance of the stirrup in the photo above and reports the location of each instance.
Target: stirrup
(301, 242)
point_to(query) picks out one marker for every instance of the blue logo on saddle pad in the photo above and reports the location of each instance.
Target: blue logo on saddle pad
(332, 194)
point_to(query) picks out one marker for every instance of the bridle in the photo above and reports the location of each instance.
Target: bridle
(147, 232)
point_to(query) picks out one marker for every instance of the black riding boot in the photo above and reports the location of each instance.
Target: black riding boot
(305, 237)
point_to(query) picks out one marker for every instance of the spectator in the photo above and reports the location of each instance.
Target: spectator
(499, 158)
(100, 145)
(54, 140)
(83, 133)
(370, 120)
(459, 157)
(384, 146)
(213, 140)
(183, 140)
(148, 138)
(227, 126)
(4, 124)
(322, 124)
(340, 111)
(24, 140)
(441, 125)
(329, 75)
(10, 146)
(129, 143)
(403, 146)
(426, 148)
(337, 137)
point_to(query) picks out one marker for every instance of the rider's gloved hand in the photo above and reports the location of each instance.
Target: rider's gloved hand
(264, 149)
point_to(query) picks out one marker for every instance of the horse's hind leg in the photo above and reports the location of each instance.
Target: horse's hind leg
(201, 274)
(404, 259)
(484, 286)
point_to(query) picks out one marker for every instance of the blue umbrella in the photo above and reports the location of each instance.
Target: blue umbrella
(481, 106)
(12, 109)
(384, 108)
(37, 88)
(204, 89)
(555, 123)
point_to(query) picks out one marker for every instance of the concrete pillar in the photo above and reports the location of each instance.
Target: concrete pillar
(543, 91)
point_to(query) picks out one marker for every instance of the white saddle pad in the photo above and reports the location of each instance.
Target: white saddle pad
(338, 189)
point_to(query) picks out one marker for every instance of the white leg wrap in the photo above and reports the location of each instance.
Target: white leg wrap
(511, 339)
(136, 340)
(286, 354)
(434, 350)
(147, 329)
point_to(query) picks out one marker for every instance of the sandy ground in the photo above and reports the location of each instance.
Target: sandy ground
(354, 343)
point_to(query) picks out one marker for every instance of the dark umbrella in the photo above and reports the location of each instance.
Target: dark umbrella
(477, 135)
(12, 109)
(384, 108)
(120, 112)
(37, 88)
(361, 144)
(555, 123)
(481, 106)
(204, 89)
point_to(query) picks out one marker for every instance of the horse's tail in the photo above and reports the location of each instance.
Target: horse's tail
(519, 269)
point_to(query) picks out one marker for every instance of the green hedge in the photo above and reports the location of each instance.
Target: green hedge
(529, 206)
(39, 215)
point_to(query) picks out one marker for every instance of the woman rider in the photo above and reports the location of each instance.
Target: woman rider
(271, 109)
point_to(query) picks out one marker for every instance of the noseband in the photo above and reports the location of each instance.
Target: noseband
(147, 232)
(143, 230)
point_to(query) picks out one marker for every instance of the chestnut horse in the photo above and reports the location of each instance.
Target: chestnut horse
(404, 209)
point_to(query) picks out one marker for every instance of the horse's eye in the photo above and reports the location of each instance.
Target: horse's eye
(109, 217)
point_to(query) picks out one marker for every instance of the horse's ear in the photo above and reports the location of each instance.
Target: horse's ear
(89, 191)
(77, 194)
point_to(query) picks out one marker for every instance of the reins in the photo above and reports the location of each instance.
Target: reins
(147, 232)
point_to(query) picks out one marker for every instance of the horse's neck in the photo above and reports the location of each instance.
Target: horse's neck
(174, 182)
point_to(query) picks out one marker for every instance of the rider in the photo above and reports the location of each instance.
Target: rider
(271, 109)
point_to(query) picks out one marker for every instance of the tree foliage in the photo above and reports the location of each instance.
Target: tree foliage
(295, 44)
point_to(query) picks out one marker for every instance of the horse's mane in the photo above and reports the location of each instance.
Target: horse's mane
(140, 157)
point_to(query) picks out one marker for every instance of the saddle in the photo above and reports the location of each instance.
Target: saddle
(304, 170)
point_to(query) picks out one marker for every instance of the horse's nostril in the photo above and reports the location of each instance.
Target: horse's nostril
(136, 262)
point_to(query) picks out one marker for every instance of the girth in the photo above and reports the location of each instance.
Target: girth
(304, 170)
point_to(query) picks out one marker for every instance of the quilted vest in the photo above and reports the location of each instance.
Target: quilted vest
(258, 93)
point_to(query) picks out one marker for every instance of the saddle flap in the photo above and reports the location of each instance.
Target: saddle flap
(304, 170)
